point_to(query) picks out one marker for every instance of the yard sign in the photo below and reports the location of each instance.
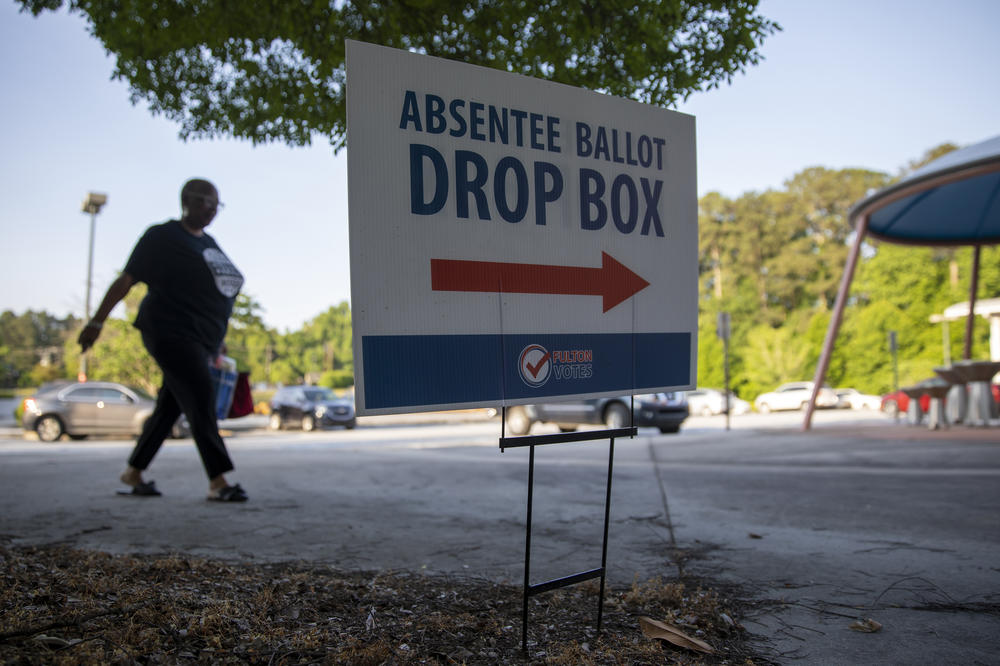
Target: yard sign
(514, 240)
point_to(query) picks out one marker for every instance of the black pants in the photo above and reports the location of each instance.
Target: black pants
(187, 387)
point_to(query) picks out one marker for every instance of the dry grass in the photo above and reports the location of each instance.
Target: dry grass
(65, 606)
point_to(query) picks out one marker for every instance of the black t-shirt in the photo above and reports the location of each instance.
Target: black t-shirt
(192, 284)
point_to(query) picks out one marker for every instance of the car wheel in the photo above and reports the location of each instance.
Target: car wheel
(274, 421)
(616, 416)
(891, 407)
(567, 428)
(518, 421)
(308, 423)
(77, 438)
(804, 406)
(764, 408)
(666, 430)
(49, 428)
(350, 425)
(706, 411)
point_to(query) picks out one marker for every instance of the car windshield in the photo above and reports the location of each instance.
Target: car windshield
(318, 393)
(50, 387)
(142, 394)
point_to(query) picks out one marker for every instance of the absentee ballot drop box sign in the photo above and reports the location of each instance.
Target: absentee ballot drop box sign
(514, 240)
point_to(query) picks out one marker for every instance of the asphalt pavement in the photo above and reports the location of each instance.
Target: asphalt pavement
(854, 520)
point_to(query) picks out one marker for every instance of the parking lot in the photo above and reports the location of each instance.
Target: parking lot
(859, 518)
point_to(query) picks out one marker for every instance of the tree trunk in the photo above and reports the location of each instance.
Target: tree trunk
(717, 271)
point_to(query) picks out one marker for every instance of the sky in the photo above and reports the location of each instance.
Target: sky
(868, 84)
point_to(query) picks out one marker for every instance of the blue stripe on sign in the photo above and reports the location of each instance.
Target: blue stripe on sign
(421, 370)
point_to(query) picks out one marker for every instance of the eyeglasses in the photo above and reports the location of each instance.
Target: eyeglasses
(209, 200)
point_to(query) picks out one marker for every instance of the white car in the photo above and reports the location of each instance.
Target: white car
(794, 395)
(710, 401)
(850, 398)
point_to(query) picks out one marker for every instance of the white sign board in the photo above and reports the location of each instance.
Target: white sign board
(514, 240)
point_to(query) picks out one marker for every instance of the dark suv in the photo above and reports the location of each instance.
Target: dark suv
(665, 411)
(310, 407)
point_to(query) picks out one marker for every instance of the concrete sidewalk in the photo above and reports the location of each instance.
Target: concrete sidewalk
(805, 524)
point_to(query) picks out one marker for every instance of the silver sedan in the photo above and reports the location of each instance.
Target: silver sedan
(88, 408)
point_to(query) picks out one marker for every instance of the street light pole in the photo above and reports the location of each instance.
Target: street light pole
(92, 204)
(894, 349)
(722, 330)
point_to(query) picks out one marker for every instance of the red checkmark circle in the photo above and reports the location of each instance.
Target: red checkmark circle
(535, 365)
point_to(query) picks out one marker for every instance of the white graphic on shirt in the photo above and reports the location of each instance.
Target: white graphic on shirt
(228, 278)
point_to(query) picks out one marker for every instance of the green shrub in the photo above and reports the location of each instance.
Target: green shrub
(337, 379)
(264, 395)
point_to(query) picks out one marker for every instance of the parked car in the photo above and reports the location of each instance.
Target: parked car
(89, 408)
(665, 411)
(849, 398)
(310, 407)
(710, 401)
(794, 395)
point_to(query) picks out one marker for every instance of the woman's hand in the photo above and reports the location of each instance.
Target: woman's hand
(116, 292)
(88, 336)
(220, 358)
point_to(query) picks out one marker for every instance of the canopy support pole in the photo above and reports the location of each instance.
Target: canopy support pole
(946, 341)
(973, 288)
(838, 313)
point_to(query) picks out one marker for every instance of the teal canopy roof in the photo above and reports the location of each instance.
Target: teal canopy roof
(954, 200)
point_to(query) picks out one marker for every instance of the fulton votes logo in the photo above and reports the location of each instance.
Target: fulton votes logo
(537, 364)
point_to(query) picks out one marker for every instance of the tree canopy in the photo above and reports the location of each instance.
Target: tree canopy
(31, 347)
(774, 259)
(273, 71)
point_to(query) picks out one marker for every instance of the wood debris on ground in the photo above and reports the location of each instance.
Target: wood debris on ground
(59, 605)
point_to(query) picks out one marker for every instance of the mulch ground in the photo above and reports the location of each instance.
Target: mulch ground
(64, 606)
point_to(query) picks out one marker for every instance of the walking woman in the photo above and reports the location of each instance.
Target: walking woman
(183, 321)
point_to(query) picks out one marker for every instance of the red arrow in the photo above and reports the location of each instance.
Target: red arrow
(613, 281)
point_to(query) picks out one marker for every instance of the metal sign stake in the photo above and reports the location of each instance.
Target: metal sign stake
(532, 441)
